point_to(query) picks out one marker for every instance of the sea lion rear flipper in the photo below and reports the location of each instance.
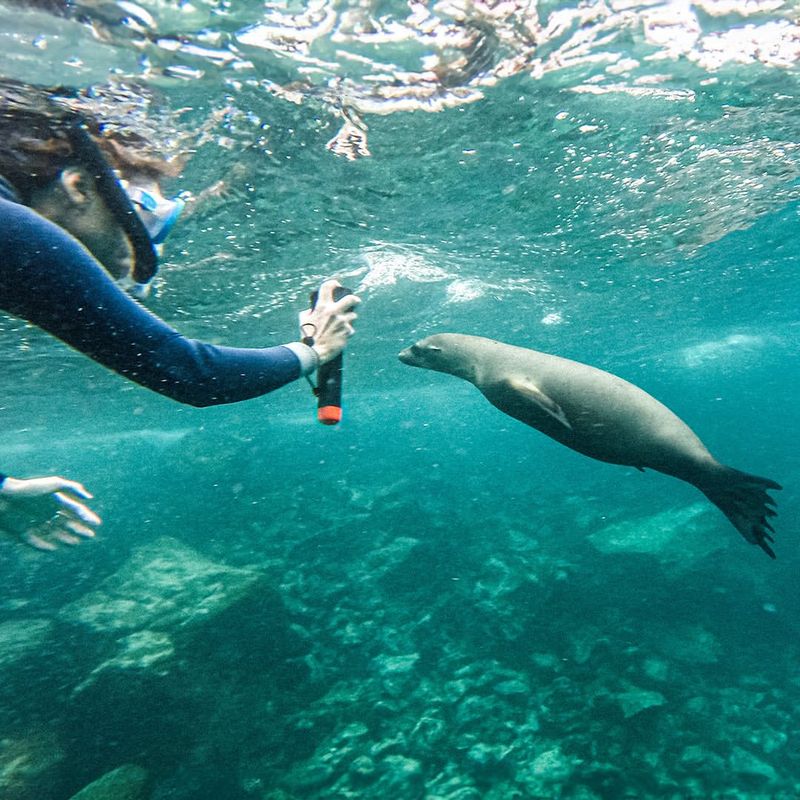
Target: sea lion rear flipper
(528, 390)
(743, 499)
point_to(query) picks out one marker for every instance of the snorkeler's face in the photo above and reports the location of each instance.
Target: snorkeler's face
(73, 203)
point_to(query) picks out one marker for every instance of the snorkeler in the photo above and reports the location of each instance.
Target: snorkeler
(81, 215)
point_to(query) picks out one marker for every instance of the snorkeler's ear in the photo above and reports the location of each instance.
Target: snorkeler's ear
(76, 184)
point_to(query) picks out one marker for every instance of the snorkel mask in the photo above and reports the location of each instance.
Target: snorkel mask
(157, 213)
(145, 225)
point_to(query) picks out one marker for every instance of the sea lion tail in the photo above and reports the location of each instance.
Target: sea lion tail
(743, 499)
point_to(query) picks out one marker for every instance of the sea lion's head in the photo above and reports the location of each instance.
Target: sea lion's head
(443, 352)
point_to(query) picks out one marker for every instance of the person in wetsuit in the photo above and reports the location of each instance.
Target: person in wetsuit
(81, 213)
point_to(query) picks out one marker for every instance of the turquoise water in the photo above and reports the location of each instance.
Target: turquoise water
(431, 600)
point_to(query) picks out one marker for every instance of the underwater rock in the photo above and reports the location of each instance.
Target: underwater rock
(500, 579)
(512, 688)
(474, 710)
(501, 790)
(691, 644)
(395, 665)
(390, 556)
(679, 536)
(467, 793)
(138, 652)
(485, 758)
(450, 785)
(396, 672)
(402, 779)
(127, 782)
(396, 744)
(429, 733)
(29, 764)
(455, 690)
(362, 768)
(549, 767)
(636, 700)
(21, 638)
(583, 641)
(656, 669)
(312, 775)
(699, 760)
(745, 764)
(164, 585)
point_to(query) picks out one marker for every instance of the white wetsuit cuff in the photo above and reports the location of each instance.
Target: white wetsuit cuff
(307, 356)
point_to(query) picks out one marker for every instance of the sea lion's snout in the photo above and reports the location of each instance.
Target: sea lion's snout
(411, 355)
(419, 354)
(407, 356)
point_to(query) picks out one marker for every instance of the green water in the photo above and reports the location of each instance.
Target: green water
(429, 607)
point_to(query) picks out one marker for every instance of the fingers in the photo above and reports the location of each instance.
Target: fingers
(80, 510)
(82, 530)
(76, 488)
(37, 487)
(346, 304)
(337, 306)
(59, 529)
(38, 543)
(329, 325)
(325, 295)
(66, 538)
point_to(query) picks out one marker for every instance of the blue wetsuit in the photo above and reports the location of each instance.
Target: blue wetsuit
(49, 279)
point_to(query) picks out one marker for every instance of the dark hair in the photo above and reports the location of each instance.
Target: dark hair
(34, 142)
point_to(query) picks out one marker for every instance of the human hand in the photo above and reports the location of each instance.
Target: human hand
(43, 512)
(329, 323)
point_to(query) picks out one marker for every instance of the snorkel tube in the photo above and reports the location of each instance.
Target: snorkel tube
(85, 150)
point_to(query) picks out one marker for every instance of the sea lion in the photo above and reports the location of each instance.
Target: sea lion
(602, 416)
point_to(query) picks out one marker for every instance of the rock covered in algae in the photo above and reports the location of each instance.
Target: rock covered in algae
(690, 644)
(164, 585)
(683, 535)
(127, 782)
(21, 638)
(29, 764)
(548, 767)
(635, 700)
(746, 764)
(143, 650)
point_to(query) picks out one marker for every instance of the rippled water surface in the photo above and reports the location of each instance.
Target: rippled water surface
(431, 600)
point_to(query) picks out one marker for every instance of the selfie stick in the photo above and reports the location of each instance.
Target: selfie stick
(329, 377)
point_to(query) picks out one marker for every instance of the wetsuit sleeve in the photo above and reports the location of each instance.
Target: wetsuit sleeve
(2, 480)
(51, 280)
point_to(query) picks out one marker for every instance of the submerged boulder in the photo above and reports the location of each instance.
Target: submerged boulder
(745, 764)
(635, 700)
(164, 586)
(127, 782)
(142, 640)
(21, 638)
(678, 536)
(141, 651)
(30, 764)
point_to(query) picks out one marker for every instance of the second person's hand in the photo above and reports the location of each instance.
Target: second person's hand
(45, 512)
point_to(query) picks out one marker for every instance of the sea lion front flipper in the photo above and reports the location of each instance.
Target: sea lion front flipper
(530, 391)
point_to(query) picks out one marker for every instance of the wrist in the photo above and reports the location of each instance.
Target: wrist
(307, 355)
(9, 485)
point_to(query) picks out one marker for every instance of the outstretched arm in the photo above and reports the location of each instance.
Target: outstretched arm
(49, 279)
